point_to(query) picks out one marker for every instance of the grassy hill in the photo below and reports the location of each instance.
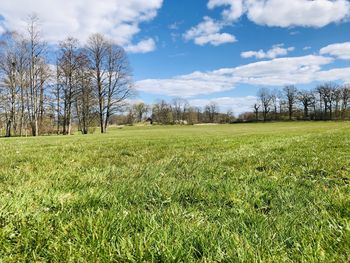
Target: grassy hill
(275, 192)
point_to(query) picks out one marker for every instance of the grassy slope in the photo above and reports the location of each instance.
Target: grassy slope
(272, 192)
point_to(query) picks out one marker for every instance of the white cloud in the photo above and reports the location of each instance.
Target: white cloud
(208, 32)
(143, 46)
(275, 51)
(280, 13)
(286, 13)
(237, 104)
(197, 83)
(235, 11)
(117, 19)
(339, 50)
(280, 71)
(305, 13)
(335, 74)
(275, 72)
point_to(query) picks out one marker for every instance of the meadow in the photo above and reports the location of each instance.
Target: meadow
(276, 192)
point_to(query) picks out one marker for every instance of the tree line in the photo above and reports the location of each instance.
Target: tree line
(176, 111)
(44, 92)
(328, 101)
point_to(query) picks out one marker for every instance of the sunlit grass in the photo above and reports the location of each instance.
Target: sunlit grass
(257, 192)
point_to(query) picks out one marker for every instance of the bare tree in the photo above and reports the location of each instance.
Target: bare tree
(275, 95)
(140, 109)
(265, 97)
(111, 76)
(327, 96)
(307, 99)
(211, 111)
(337, 96)
(8, 83)
(162, 112)
(57, 93)
(85, 99)
(256, 108)
(38, 73)
(345, 92)
(290, 92)
(119, 83)
(14, 82)
(179, 108)
(97, 49)
(67, 66)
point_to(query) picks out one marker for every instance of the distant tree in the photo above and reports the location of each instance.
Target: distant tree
(290, 93)
(193, 115)
(179, 108)
(211, 110)
(256, 108)
(140, 110)
(229, 117)
(307, 99)
(162, 112)
(265, 97)
(337, 96)
(327, 101)
(275, 94)
(345, 93)
(131, 115)
(327, 97)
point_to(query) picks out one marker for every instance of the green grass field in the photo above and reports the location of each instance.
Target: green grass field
(237, 193)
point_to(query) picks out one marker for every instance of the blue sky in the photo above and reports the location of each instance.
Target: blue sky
(178, 56)
(207, 50)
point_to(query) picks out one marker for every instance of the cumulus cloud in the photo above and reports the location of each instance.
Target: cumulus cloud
(208, 32)
(335, 74)
(306, 13)
(280, 71)
(117, 19)
(339, 50)
(282, 13)
(275, 51)
(279, 13)
(197, 83)
(143, 46)
(235, 10)
(275, 72)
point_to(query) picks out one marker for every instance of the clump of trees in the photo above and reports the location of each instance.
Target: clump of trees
(177, 111)
(328, 101)
(85, 85)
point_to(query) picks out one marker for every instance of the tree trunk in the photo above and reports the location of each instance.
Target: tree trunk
(8, 129)
(306, 112)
